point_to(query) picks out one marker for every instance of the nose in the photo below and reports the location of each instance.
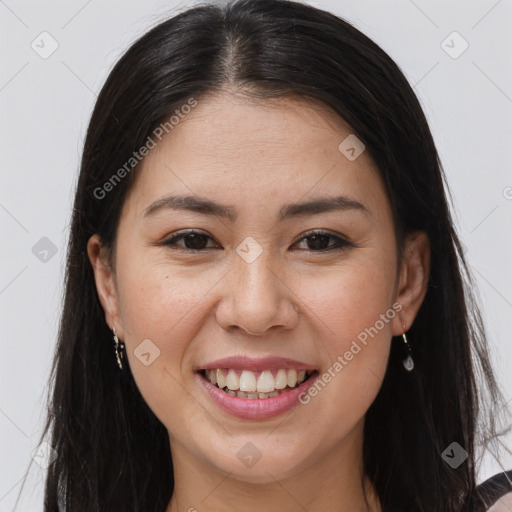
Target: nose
(256, 299)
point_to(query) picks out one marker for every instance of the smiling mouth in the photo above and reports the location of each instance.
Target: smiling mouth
(256, 385)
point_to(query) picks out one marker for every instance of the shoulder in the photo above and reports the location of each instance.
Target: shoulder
(493, 495)
(504, 504)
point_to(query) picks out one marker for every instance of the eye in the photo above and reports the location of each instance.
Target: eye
(193, 241)
(318, 241)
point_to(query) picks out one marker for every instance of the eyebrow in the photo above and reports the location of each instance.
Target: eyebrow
(209, 207)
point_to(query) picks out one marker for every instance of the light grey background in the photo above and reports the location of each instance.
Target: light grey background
(45, 106)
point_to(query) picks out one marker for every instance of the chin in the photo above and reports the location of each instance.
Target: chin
(259, 461)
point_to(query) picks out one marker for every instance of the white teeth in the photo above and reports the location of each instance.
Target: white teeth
(266, 382)
(247, 381)
(292, 378)
(281, 380)
(232, 380)
(221, 380)
(254, 385)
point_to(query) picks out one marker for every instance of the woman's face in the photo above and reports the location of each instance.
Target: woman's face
(260, 286)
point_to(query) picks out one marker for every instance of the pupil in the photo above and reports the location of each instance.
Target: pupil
(193, 241)
(315, 241)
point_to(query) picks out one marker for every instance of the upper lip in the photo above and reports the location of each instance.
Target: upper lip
(256, 364)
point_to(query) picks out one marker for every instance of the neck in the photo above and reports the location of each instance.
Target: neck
(334, 482)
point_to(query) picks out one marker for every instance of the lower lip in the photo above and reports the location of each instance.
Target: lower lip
(257, 408)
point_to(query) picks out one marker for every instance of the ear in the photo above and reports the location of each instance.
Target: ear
(413, 280)
(105, 283)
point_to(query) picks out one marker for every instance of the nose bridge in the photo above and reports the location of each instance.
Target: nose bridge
(255, 298)
(254, 282)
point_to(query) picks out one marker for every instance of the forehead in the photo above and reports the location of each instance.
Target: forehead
(255, 152)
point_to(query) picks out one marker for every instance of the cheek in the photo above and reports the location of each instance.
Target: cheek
(349, 298)
(352, 312)
(160, 307)
(159, 299)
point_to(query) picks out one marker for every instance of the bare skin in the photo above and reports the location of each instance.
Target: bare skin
(504, 504)
(294, 300)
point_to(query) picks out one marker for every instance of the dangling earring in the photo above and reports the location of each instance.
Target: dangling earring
(118, 349)
(408, 361)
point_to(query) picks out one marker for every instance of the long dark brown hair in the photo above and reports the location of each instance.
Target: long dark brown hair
(113, 454)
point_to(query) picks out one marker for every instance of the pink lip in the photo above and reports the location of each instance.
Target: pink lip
(256, 365)
(255, 409)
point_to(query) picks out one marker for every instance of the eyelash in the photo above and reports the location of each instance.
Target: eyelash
(342, 242)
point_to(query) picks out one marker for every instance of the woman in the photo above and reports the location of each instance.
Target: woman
(265, 301)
